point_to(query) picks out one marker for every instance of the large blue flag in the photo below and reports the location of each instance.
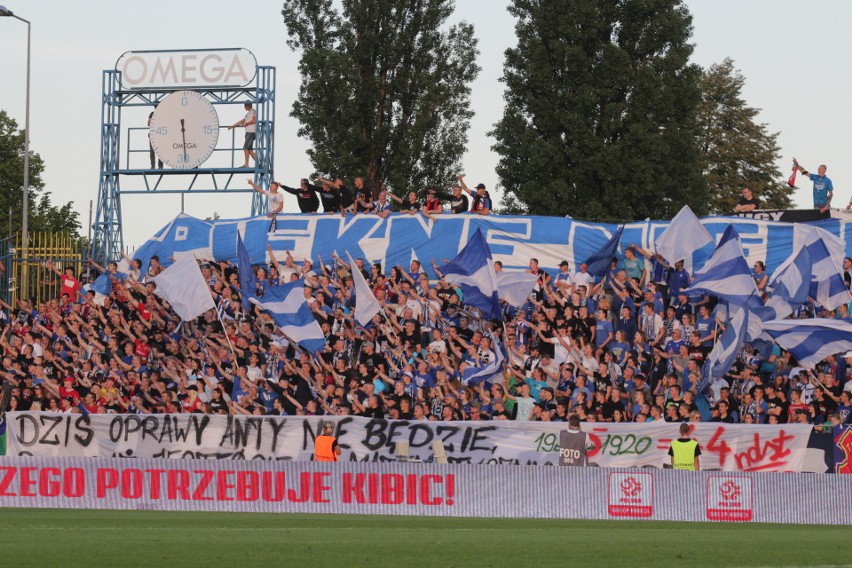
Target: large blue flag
(792, 283)
(827, 287)
(473, 271)
(811, 340)
(726, 275)
(725, 351)
(288, 307)
(598, 264)
(103, 283)
(248, 281)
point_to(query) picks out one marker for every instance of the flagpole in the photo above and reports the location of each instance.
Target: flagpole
(227, 338)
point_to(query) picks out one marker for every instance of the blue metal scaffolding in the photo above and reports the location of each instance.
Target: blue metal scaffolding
(108, 240)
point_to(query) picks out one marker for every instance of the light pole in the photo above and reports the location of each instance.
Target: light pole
(26, 197)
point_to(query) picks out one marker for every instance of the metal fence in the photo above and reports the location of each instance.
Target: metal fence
(32, 277)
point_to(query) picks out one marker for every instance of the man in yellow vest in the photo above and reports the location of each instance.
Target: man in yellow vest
(325, 446)
(685, 451)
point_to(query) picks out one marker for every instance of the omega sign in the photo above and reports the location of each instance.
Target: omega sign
(187, 68)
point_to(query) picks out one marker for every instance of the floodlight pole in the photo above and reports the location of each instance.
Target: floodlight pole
(25, 239)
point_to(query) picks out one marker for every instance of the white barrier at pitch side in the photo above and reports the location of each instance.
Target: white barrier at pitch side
(423, 489)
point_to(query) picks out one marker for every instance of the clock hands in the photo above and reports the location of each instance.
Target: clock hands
(183, 136)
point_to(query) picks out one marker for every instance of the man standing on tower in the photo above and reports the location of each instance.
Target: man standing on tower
(823, 188)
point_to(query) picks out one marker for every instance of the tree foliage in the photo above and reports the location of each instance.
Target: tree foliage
(43, 214)
(385, 88)
(735, 150)
(600, 118)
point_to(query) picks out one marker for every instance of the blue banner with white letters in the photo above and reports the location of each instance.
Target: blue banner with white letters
(401, 238)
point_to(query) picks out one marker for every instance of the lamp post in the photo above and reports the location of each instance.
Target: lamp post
(5, 12)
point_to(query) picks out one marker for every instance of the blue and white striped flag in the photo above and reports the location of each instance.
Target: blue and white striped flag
(287, 306)
(792, 282)
(473, 270)
(725, 351)
(827, 286)
(811, 340)
(759, 313)
(726, 275)
(488, 372)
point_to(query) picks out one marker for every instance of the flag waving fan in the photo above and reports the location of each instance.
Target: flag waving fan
(473, 271)
(792, 180)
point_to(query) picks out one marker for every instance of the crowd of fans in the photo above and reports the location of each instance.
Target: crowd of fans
(626, 348)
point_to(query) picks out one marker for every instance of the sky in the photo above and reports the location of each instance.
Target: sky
(792, 54)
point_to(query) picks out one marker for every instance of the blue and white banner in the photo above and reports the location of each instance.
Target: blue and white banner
(513, 240)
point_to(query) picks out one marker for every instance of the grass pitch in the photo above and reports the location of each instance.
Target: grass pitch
(49, 537)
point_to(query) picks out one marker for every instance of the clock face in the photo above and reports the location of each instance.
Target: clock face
(184, 130)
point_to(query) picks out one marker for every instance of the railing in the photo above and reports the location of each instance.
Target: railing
(32, 277)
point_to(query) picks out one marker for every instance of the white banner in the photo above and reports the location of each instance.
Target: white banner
(197, 436)
(422, 489)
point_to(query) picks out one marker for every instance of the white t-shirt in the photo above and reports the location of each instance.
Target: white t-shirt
(275, 200)
(584, 279)
(525, 406)
(250, 115)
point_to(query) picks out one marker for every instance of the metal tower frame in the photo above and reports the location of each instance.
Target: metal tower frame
(108, 237)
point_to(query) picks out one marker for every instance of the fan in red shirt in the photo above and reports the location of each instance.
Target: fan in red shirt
(70, 285)
(67, 389)
(90, 404)
(191, 403)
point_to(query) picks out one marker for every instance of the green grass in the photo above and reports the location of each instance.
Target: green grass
(49, 537)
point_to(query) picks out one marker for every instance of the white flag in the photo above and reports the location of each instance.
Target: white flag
(182, 285)
(515, 287)
(366, 304)
(684, 235)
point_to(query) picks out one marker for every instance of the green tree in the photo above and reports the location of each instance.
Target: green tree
(43, 214)
(600, 118)
(735, 150)
(385, 88)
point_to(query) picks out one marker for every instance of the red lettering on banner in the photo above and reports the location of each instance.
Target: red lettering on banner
(273, 486)
(450, 489)
(719, 446)
(305, 489)
(48, 487)
(393, 488)
(74, 482)
(247, 482)
(768, 455)
(177, 483)
(230, 485)
(411, 487)
(154, 474)
(6, 480)
(596, 443)
(203, 483)
(106, 478)
(373, 488)
(426, 490)
(223, 486)
(321, 487)
(353, 488)
(26, 482)
(132, 483)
